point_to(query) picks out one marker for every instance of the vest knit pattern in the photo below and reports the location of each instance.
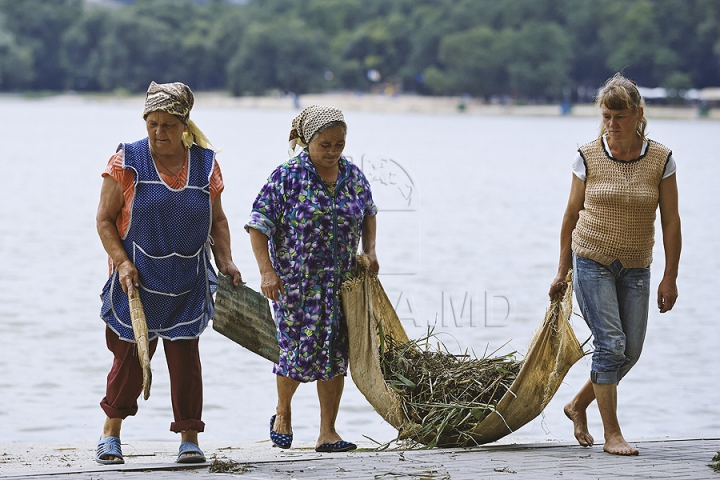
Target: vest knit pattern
(621, 198)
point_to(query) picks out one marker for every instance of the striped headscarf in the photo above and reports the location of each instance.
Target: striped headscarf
(176, 99)
(310, 120)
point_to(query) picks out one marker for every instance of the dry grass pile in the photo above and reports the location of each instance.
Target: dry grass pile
(446, 395)
(715, 463)
(228, 466)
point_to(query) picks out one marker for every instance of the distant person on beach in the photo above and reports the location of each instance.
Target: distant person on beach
(159, 216)
(305, 227)
(607, 237)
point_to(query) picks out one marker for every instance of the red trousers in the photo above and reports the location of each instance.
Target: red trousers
(124, 382)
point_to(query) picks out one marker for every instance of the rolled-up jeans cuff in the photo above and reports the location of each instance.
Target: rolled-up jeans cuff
(604, 378)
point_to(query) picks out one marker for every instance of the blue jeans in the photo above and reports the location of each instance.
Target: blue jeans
(614, 302)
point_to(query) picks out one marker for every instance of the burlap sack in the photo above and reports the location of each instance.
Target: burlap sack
(553, 350)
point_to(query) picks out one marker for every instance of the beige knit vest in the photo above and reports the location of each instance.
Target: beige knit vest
(621, 198)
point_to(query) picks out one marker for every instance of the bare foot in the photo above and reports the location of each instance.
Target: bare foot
(579, 419)
(617, 445)
(283, 424)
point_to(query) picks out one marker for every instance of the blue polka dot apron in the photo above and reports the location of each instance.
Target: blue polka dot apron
(168, 241)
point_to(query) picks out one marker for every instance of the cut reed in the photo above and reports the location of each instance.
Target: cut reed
(447, 395)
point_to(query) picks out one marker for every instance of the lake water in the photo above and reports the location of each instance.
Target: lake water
(470, 212)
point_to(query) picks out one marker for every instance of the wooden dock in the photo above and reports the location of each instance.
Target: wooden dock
(661, 459)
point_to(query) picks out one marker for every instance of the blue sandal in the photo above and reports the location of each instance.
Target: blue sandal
(109, 447)
(190, 447)
(282, 440)
(339, 446)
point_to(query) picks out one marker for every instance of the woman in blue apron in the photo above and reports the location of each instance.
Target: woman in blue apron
(161, 221)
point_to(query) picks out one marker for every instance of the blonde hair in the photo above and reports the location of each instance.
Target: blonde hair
(620, 93)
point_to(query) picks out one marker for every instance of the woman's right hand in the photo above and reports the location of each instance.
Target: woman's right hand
(128, 277)
(558, 287)
(270, 285)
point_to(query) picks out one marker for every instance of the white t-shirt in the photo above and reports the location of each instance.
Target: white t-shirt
(578, 166)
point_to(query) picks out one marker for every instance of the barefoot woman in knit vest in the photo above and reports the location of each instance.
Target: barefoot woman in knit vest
(607, 237)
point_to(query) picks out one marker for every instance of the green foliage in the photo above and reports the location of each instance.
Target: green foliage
(16, 62)
(38, 25)
(80, 57)
(380, 44)
(636, 43)
(474, 61)
(333, 16)
(540, 62)
(147, 50)
(283, 54)
(523, 49)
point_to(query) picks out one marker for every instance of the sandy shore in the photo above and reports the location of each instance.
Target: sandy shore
(366, 102)
(431, 105)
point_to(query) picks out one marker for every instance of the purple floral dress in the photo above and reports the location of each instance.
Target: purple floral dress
(314, 237)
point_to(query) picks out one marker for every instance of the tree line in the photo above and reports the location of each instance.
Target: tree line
(537, 50)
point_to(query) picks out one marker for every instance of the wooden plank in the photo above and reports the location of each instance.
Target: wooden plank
(243, 315)
(140, 330)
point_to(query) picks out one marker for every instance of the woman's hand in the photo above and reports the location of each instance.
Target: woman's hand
(374, 266)
(128, 277)
(230, 269)
(667, 294)
(270, 285)
(558, 287)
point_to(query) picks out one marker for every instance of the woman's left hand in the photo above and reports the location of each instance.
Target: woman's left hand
(231, 270)
(374, 266)
(667, 294)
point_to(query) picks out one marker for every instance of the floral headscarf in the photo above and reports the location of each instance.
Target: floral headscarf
(310, 120)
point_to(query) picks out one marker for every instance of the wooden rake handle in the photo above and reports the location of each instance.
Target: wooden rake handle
(137, 315)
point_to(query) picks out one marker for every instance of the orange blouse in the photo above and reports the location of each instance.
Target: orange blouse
(126, 179)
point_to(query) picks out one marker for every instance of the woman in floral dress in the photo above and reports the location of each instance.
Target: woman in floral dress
(305, 229)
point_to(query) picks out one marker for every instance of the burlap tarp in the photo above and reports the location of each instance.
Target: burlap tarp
(552, 351)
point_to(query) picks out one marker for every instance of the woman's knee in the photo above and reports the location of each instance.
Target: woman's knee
(630, 361)
(608, 361)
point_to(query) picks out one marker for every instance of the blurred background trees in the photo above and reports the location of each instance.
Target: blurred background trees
(533, 50)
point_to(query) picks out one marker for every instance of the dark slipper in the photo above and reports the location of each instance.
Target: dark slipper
(282, 440)
(189, 447)
(339, 446)
(109, 447)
